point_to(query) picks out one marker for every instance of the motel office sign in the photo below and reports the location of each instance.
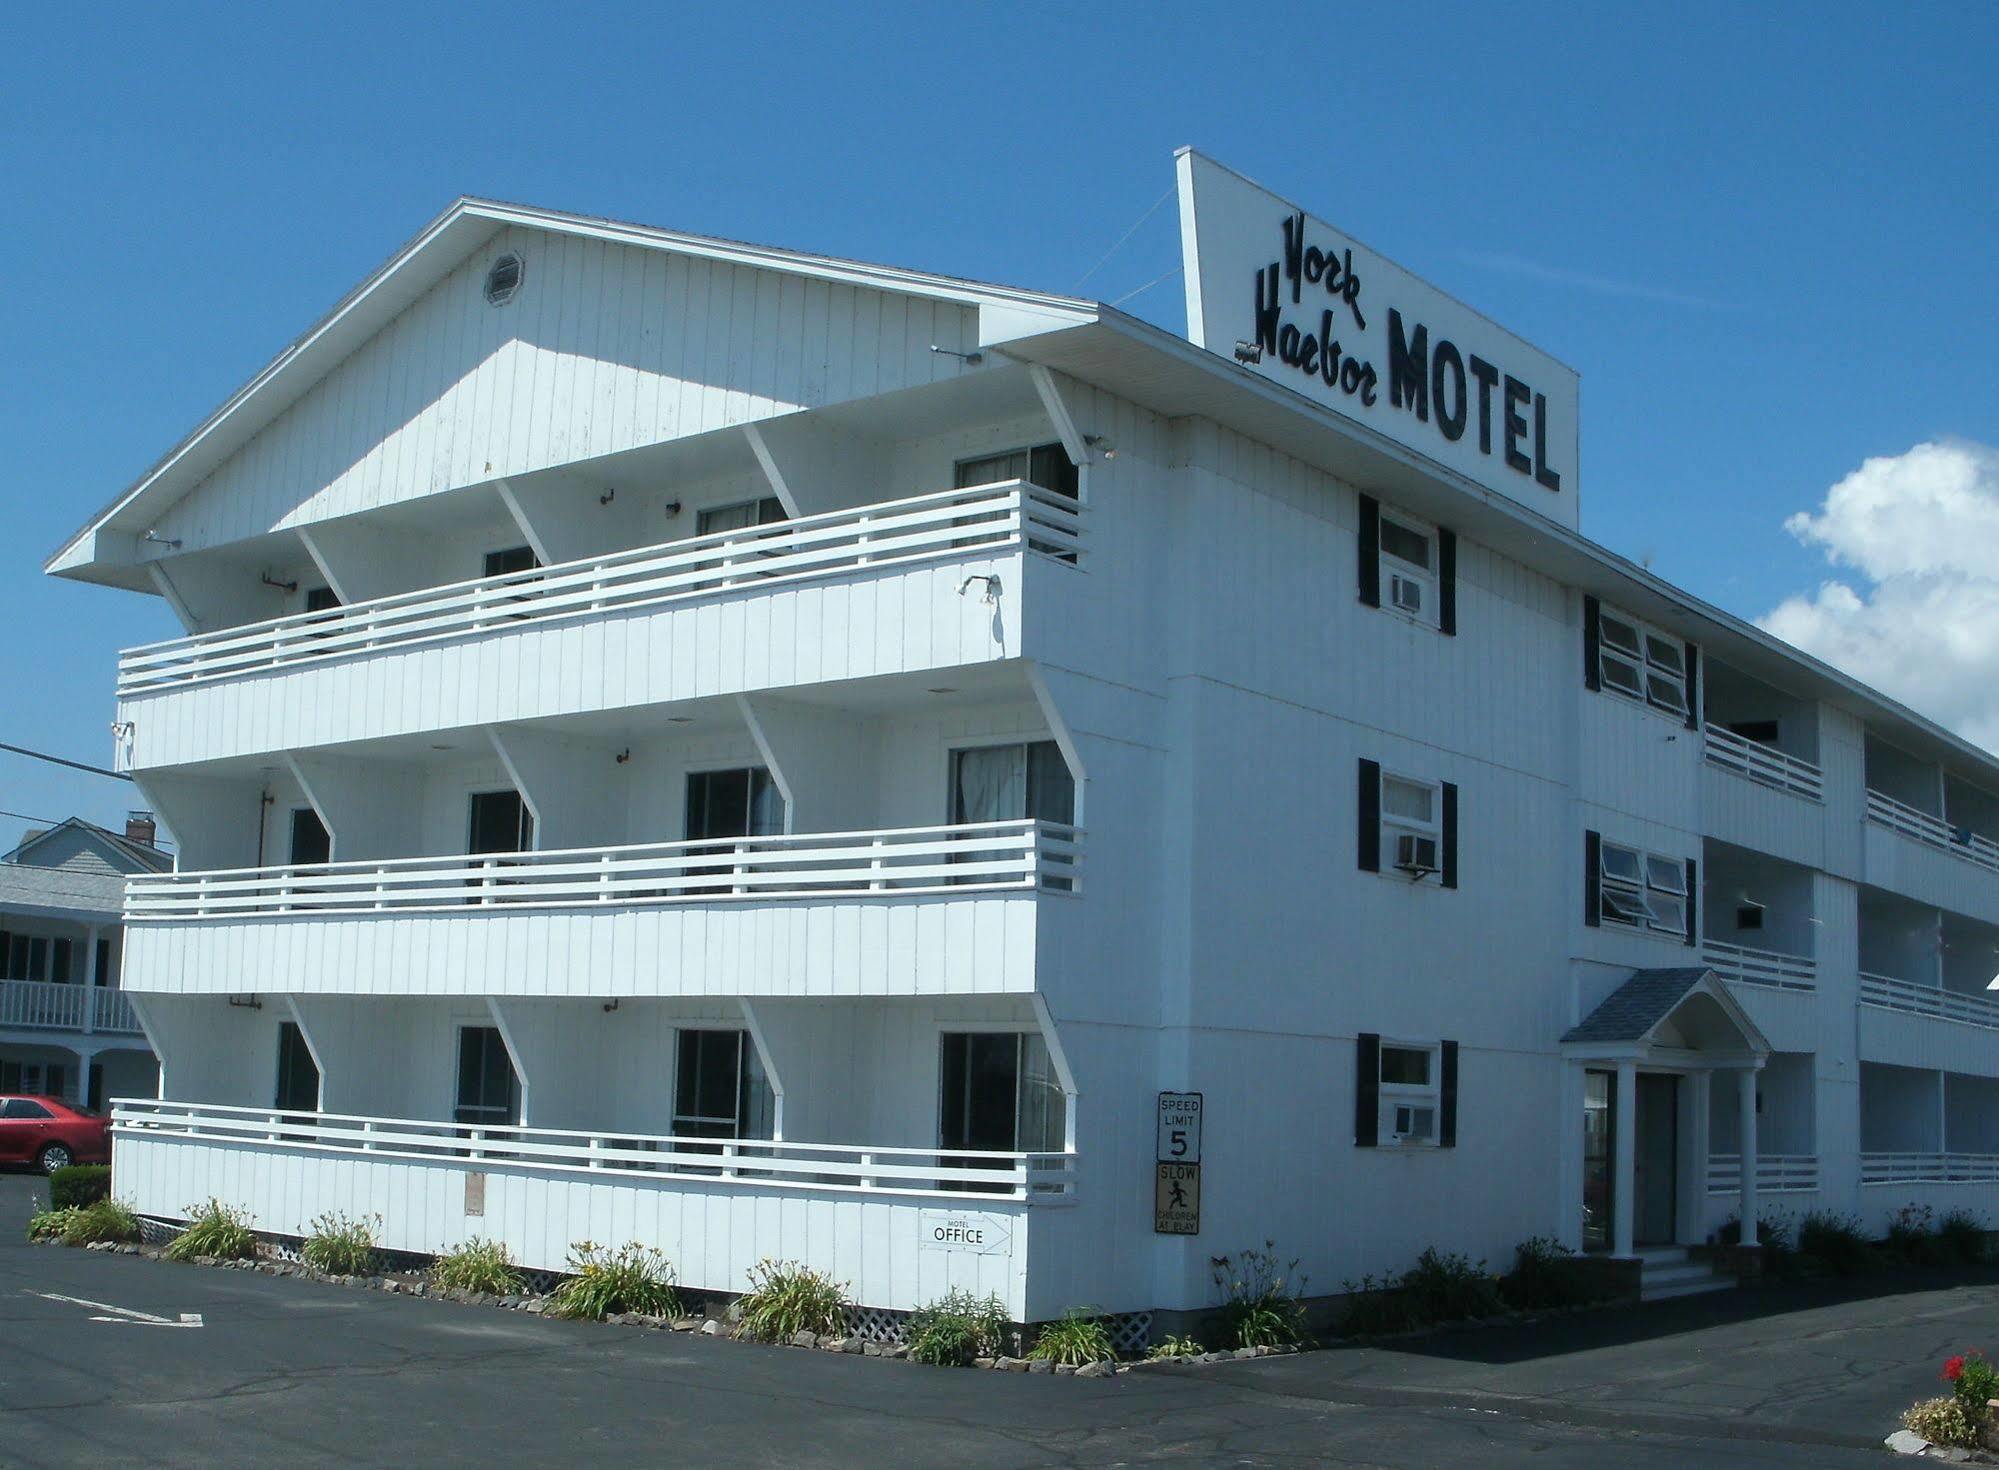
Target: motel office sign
(1300, 303)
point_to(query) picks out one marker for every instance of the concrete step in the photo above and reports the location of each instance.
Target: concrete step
(1668, 1273)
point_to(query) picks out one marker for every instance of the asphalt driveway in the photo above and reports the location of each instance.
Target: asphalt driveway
(285, 1371)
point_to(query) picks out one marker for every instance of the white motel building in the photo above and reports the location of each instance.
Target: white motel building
(776, 756)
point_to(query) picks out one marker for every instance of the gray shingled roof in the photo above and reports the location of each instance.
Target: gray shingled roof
(1629, 1012)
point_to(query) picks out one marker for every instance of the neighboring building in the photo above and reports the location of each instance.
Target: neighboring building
(783, 757)
(66, 1028)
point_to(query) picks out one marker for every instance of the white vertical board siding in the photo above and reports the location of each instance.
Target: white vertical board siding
(1928, 874)
(606, 347)
(711, 1231)
(936, 945)
(1764, 819)
(1929, 1042)
(854, 626)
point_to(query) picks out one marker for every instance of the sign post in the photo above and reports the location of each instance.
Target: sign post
(1176, 1197)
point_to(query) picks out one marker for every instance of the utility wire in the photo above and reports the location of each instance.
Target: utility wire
(57, 760)
(1146, 287)
(23, 816)
(1124, 237)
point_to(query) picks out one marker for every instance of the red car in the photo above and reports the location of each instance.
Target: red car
(50, 1133)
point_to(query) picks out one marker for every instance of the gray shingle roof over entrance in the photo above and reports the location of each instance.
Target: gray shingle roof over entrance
(1630, 1012)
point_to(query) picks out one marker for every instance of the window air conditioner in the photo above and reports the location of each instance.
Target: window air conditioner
(1414, 1124)
(1415, 855)
(1406, 593)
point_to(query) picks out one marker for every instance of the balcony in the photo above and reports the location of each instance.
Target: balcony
(1762, 763)
(906, 911)
(712, 1205)
(1763, 967)
(847, 594)
(1775, 1174)
(1979, 1009)
(1932, 831)
(40, 1005)
(1929, 1168)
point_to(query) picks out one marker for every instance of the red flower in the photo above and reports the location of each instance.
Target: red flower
(1953, 1368)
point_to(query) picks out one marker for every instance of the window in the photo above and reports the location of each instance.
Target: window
(719, 1087)
(1046, 465)
(500, 822)
(739, 517)
(1409, 1094)
(311, 842)
(511, 559)
(1641, 663)
(321, 599)
(104, 976)
(1405, 1093)
(298, 1073)
(503, 279)
(997, 1093)
(1009, 783)
(488, 1091)
(1409, 826)
(1643, 890)
(23, 1107)
(740, 802)
(1409, 568)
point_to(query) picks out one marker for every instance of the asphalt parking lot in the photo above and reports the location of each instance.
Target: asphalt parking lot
(296, 1373)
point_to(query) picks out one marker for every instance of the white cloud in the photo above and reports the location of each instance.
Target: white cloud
(1921, 622)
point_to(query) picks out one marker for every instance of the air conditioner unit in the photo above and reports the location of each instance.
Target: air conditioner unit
(1415, 855)
(1414, 1124)
(1405, 593)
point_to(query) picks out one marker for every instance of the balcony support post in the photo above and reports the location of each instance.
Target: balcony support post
(1745, 1107)
(1624, 1160)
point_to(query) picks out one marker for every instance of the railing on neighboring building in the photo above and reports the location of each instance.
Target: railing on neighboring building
(1929, 1168)
(1766, 967)
(46, 1005)
(1764, 763)
(979, 521)
(1775, 1173)
(810, 865)
(957, 1174)
(1978, 1009)
(1932, 831)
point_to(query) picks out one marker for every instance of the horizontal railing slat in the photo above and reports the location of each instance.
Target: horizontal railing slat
(1767, 967)
(1932, 830)
(1775, 1173)
(1892, 993)
(1763, 763)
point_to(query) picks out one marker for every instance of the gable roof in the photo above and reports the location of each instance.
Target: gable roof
(1633, 1014)
(436, 250)
(118, 850)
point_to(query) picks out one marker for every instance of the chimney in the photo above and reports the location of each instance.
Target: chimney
(140, 827)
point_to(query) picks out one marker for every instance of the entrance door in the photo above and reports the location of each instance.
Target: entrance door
(1599, 1158)
(1655, 1198)
(298, 1073)
(998, 1094)
(488, 1091)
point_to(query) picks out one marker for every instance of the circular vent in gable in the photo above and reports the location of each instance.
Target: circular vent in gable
(503, 279)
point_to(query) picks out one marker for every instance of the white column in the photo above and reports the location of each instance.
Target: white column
(1624, 1183)
(84, 1057)
(1745, 1107)
(1700, 1120)
(90, 982)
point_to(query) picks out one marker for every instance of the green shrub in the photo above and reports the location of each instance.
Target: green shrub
(1834, 1244)
(1975, 1382)
(49, 1224)
(341, 1246)
(79, 1184)
(1376, 1307)
(1545, 1277)
(1076, 1338)
(1449, 1288)
(1963, 1236)
(1773, 1233)
(1260, 1297)
(786, 1299)
(1913, 1237)
(1942, 1421)
(478, 1265)
(632, 1278)
(956, 1328)
(103, 1220)
(214, 1229)
(1173, 1347)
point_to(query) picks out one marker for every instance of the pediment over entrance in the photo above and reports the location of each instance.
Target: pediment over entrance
(1686, 1012)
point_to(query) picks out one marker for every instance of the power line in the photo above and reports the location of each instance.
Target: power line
(56, 760)
(1124, 237)
(23, 816)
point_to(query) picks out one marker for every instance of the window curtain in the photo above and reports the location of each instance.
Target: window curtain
(1043, 1124)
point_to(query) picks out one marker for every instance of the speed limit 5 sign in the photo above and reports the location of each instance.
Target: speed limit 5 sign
(1179, 1127)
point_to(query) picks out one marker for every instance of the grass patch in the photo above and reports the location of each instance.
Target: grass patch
(632, 1278)
(342, 1246)
(479, 1265)
(786, 1299)
(1076, 1338)
(214, 1229)
(956, 1328)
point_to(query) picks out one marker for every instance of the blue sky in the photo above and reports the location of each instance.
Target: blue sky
(1765, 235)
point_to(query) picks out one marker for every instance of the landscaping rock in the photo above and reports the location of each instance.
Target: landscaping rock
(1066, 1368)
(895, 1350)
(1248, 1352)
(1903, 1442)
(1213, 1358)
(1040, 1365)
(1103, 1368)
(685, 1324)
(805, 1339)
(984, 1362)
(871, 1350)
(1010, 1365)
(853, 1345)
(711, 1328)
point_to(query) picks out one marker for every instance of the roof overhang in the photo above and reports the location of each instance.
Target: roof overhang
(1705, 1027)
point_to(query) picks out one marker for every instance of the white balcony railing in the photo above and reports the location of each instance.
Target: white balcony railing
(1038, 1178)
(1763, 763)
(817, 865)
(1775, 1173)
(979, 521)
(1932, 831)
(1978, 1009)
(44, 1005)
(1928, 1168)
(1767, 967)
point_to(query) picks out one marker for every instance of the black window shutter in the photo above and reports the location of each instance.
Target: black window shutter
(1693, 687)
(1592, 879)
(1693, 900)
(1592, 632)
(1447, 1119)
(1447, 581)
(1370, 816)
(1450, 824)
(1370, 551)
(1367, 1090)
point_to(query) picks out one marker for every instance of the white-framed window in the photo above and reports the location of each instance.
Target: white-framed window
(1411, 1093)
(1642, 890)
(1408, 567)
(1411, 826)
(1640, 662)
